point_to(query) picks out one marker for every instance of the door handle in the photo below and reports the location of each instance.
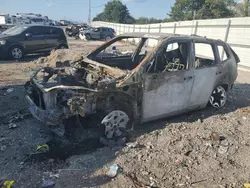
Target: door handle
(219, 72)
(188, 78)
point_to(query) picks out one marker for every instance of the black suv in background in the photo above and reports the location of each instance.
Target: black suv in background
(26, 39)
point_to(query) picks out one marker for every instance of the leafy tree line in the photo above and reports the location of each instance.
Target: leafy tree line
(116, 11)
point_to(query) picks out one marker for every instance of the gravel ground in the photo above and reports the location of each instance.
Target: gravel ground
(204, 149)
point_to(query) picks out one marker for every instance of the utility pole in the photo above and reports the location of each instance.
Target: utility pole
(246, 6)
(89, 12)
(194, 14)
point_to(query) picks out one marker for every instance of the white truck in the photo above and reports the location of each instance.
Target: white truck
(7, 20)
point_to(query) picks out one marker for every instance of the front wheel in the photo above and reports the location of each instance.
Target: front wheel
(88, 37)
(16, 52)
(219, 97)
(115, 122)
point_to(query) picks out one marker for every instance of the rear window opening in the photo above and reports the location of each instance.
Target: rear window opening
(204, 55)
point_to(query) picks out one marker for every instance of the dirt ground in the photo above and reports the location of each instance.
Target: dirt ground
(203, 149)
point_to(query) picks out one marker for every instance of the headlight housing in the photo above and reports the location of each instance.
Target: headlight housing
(2, 42)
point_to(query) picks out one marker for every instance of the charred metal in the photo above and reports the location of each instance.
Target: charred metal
(147, 84)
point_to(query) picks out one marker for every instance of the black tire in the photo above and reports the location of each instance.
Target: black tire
(108, 38)
(218, 97)
(88, 37)
(16, 52)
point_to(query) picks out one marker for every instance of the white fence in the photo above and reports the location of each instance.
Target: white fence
(235, 31)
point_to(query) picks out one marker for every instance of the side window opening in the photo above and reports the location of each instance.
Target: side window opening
(35, 31)
(204, 55)
(223, 53)
(173, 57)
(97, 29)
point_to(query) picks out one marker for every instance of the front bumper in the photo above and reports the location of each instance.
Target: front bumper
(3, 51)
(49, 117)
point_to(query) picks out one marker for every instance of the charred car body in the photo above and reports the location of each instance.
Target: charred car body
(180, 74)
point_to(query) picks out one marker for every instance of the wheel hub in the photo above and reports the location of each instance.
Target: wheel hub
(114, 122)
(218, 97)
(17, 53)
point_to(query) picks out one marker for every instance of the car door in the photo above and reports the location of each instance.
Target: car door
(103, 33)
(167, 89)
(52, 38)
(206, 72)
(35, 41)
(96, 33)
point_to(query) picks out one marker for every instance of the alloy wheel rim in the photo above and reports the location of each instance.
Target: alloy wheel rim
(218, 97)
(114, 122)
(17, 53)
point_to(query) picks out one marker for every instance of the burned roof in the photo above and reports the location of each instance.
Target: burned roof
(157, 36)
(161, 36)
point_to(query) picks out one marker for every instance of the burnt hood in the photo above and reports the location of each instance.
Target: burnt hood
(81, 74)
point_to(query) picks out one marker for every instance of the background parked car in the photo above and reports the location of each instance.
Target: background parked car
(100, 33)
(74, 30)
(20, 40)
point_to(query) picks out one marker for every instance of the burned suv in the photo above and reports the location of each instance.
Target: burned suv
(135, 78)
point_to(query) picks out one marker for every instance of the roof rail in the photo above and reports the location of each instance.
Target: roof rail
(198, 35)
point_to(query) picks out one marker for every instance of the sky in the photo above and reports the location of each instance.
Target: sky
(77, 10)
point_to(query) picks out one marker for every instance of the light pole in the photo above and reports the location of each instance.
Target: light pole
(89, 12)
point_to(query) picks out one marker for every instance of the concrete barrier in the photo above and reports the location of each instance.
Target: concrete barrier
(235, 31)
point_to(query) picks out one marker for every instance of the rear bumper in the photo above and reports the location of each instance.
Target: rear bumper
(49, 117)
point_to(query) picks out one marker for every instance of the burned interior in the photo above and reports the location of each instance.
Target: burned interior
(134, 78)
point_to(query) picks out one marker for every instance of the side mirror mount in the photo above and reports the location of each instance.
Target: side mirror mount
(28, 35)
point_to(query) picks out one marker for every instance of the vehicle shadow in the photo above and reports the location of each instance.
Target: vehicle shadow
(82, 161)
(27, 58)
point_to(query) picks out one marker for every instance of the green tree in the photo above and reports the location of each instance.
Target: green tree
(99, 17)
(216, 9)
(242, 8)
(205, 9)
(184, 9)
(142, 20)
(145, 20)
(115, 11)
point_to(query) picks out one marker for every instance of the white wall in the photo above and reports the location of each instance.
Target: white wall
(238, 30)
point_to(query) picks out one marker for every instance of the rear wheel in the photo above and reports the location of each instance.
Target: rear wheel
(16, 52)
(108, 38)
(219, 97)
